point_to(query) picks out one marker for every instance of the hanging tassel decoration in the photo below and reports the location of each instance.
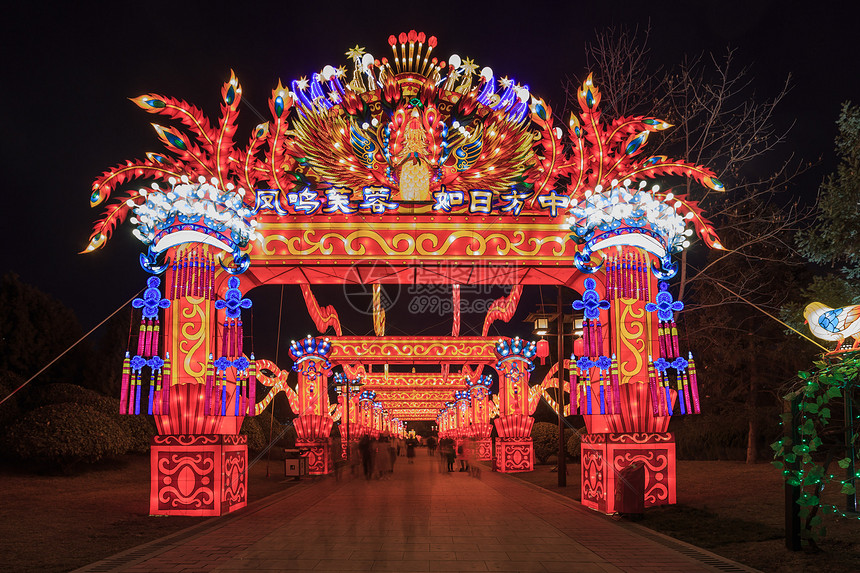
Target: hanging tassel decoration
(598, 339)
(647, 279)
(147, 345)
(637, 272)
(602, 394)
(666, 390)
(141, 337)
(679, 383)
(210, 280)
(224, 394)
(238, 395)
(138, 383)
(686, 376)
(616, 387)
(201, 274)
(207, 402)
(588, 392)
(694, 384)
(186, 274)
(652, 385)
(252, 387)
(164, 409)
(675, 339)
(609, 286)
(198, 263)
(124, 381)
(173, 282)
(240, 334)
(153, 384)
(574, 394)
(156, 331)
(225, 338)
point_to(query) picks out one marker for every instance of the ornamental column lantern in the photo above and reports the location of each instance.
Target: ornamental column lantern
(514, 448)
(479, 393)
(313, 424)
(365, 403)
(462, 413)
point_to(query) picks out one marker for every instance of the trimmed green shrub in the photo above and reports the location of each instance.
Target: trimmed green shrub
(257, 439)
(545, 439)
(139, 429)
(62, 435)
(61, 393)
(573, 443)
(9, 410)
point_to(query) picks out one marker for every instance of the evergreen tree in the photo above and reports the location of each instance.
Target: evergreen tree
(35, 328)
(835, 236)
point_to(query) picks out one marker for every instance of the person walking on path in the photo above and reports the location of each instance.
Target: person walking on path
(431, 446)
(410, 449)
(366, 447)
(446, 447)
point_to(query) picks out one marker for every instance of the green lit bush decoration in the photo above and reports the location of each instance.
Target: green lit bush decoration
(807, 462)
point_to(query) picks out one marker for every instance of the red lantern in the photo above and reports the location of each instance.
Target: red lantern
(578, 347)
(542, 350)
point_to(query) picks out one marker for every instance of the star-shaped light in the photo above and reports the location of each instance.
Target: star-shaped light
(340, 71)
(355, 52)
(666, 305)
(469, 67)
(302, 83)
(505, 82)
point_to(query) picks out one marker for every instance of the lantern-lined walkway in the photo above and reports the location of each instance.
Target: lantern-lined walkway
(419, 520)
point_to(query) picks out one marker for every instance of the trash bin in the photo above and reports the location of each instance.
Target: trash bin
(295, 463)
(630, 491)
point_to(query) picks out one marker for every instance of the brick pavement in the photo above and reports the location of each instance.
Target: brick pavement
(418, 520)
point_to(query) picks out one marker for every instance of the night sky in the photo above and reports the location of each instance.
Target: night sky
(68, 71)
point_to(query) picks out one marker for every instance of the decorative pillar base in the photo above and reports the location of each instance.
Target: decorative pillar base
(319, 456)
(485, 449)
(605, 455)
(199, 475)
(515, 455)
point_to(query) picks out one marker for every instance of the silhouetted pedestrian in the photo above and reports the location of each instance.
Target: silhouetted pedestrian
(365, 447)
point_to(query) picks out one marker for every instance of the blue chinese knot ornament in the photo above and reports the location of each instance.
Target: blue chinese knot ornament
(591, 302)
(151, 301)
(233, 301)
(666, 305)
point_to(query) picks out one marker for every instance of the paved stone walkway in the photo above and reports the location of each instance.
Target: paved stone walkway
(418, 520)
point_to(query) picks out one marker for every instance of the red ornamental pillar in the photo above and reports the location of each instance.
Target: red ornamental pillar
(479, 394)
(625, 407)
(514, 448)
(451, 412)
(377, 419)
(313, 424)
(365, 402)
(199, 460)
(348, 405)
(462, 417)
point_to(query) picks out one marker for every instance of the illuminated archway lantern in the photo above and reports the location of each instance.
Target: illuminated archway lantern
(448, 175)
(479, 393)
(514, 448)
